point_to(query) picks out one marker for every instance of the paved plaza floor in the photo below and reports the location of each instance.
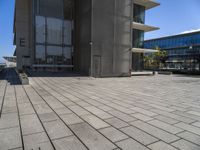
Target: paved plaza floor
(79, 113)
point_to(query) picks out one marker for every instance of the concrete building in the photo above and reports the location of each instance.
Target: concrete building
(183, 50)
(95, 37)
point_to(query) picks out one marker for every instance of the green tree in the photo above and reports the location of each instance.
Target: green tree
(160, 57)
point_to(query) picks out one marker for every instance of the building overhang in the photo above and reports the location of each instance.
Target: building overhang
(148, 4)
(143, 27)
(143, 50)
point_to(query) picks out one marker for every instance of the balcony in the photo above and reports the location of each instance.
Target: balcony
(143, 50)
(148, 4)
(143, 27)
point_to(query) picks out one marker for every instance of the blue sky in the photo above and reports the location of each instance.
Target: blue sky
(172, 16)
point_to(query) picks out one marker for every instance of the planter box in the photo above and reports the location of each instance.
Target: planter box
(24, 79)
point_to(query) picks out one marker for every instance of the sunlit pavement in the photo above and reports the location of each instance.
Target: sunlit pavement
(77, 113)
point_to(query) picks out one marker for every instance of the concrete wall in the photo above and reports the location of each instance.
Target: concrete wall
(82, 55)
(111, 37)
(22, 28)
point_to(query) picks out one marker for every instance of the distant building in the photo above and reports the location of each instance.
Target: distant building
(100, 38)
(183, 50)
(10, 61)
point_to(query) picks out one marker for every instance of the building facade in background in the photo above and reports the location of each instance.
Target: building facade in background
(95, 37)
(183, 50)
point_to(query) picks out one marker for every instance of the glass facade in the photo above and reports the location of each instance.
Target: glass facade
(174, 41)
(53, 34)
(183, 50)
(138, 37)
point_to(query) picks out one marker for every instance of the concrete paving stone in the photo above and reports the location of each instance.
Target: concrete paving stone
(130, 144)
(48, 117)
(53, 102)
(174, 116)
(185, 145)
(166, 119)
(30, 124)
(10, 138)
(190, 137)
(9, 103)
(63, 111)
(25, 109)
(139, 135)
(156, 132)
(70, 119)
(83, 104)
(161, 146)
(141, 117)
(79, 110)
(57, 129)
(122, 116)
(188, 127)
(7, 110)
(113, 134)
(68, 143)
(194, 113)
(187, 115)
(35, 139)
(98, 112)
(143, 111)
(105, 108)
(91, 138)
(68, 103)
(117, 123)
(161, 108)
(95, 121)
(40, 146)
(167, 127)
(42, 109)
(197, 124)
(9, 121)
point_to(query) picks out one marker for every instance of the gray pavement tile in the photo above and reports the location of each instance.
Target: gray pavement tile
(98, 112)
(25, 109)
(113, 134)
(130, 144)
(185, 145)
(174, 116)
(78, 110)
(42, 109)
(169, 128)
(122, 116)
(95, 121)
(7, 110)
(161, 146)
(188, 127)
(91, 138)
(48, 117)
(35, 139)
(197, 124)
(41, 146)
(139, 135)
(117, 123)
(141, 117)
(70, 119)
(190, 137)
(57, 129)
(63, 111)
(166, 119)
(156, 132)
(30, 124)
(68, 143)
(9, 120)
(10, 138)
(143, 111)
